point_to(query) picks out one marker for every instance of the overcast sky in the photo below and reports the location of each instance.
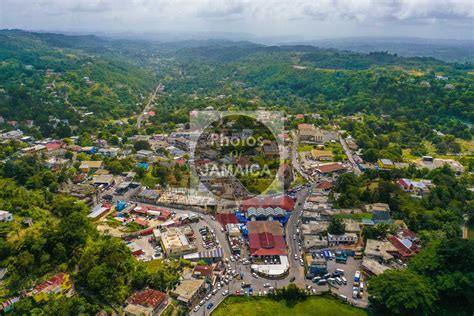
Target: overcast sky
(304, 19)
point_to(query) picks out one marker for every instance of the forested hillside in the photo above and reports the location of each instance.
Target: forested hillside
(44, 75)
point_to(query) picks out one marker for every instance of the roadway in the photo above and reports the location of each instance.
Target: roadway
(348, 152)
(148, 105)
(294, 158)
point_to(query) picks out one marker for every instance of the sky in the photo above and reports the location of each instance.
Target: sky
(291, 19)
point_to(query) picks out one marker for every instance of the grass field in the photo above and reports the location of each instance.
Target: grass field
(253, 306)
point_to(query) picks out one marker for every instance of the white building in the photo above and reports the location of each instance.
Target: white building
(6, 216)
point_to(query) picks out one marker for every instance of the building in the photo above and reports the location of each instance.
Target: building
(382, 251)
(321, 155)
(109, 152)
(266, 239)
(34, 150)
(87, 166)
(175, 243)
(385, 164)
(346, 238)
(189, 291)
(330, 168)
(210, 256)
(56, 286)
(416, 187)
(351, 225)
(372, 267)
(6, 216)
(282, 201)
(271, 150)
(147, 302)
(148, 196)
(405, 247)
(144, 154)
(204, 272)
(99, 211)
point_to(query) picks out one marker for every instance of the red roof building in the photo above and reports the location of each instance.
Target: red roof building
(405, 247)
(225, 219)
(330, 168)
(53, 146)
(325, 185)
(148, 298)
(266, 238)
(282, 201)
(203, 271)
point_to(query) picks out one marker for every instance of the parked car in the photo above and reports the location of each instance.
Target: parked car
(196, 308)
(210, 305)
(225, 292)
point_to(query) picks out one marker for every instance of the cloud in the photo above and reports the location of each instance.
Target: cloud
(277, 16)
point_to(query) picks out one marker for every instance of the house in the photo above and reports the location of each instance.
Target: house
(6, 216)
(55, 286)
(382, 216)
(270, 149)
(205, 272)
(385, 164)
(144, 154)
(266, 238)
(87, 166)
(109, 152)
(189, 291)
(324, 186)
(89, 150)
(415, 187)
(147, 302)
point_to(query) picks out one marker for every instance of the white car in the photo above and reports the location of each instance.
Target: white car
(202, 302)
(225, 292)
(255, 275)
(214, 291)
(196, 308)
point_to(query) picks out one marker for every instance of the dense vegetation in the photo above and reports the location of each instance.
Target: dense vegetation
(44, 76)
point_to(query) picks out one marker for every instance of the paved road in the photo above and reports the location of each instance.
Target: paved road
(294, 157)
(354, 165)
(148, 105)
(296, 270)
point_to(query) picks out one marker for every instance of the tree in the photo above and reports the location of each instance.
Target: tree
(141, 145)
(402, 292)
(336, 226)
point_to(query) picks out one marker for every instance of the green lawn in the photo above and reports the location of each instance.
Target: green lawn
(253, 306)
